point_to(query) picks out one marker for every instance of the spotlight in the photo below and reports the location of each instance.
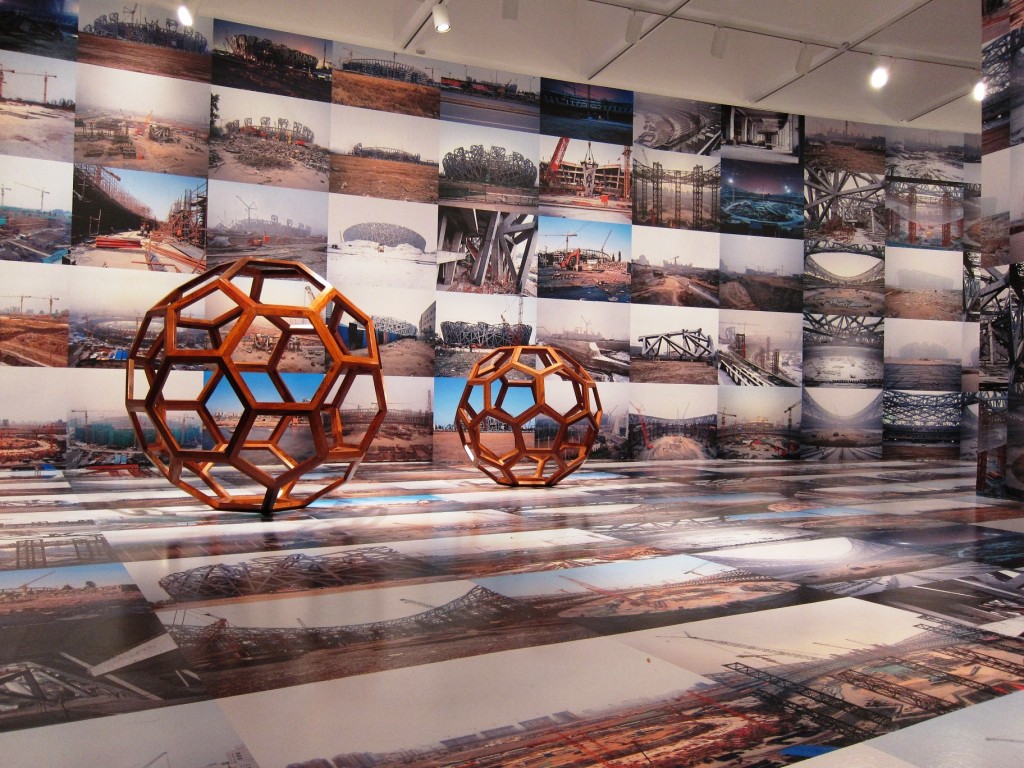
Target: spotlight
(719, 42)
(510, 9)
(880, 74)
(980, 90)
(634, 28)
(186, 15)
(805, 59)
(442, 22)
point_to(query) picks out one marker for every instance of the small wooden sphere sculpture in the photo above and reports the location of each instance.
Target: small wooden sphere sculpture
(510, 389)
(261, 385)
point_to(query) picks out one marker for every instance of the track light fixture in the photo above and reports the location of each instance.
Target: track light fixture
(719, 42)
(980, 90)
(805, 59)
(880, 74)
(187, 13)
(634, 28)
(442, 22)
(510, 9)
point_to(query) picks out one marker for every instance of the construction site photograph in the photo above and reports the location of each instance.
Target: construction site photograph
(404, 322)
(584, 260)
(113, 665)
(758, 423)
(675, 190)
(381, 244)
(841, 424)
(144, 37)
(41, 595)
(924, 215)
(843, 145)
(843, 351)
(248, 220)
(761, 135)
(585, 180)
(844, 280)
(34, 315)
(673, 345)
(33, 431)
(613, 434)
(761, 273)
(845, 207)
(271, 61)
(152, 736)
(921, 424)
(391, 82)
(762, 199)
(585, 111)
(383, 155)
(594, 334)
(923, 355)
(106, 314)
(677, 125)
(483, 166)
(672, 421)
(469, 326)
(990, 237)
(140, 121)
(919, 153)
(136, 220)
(490, 97)
(407, 431)
(760, 349)
(258, 138)
(37, 106)
(41, 28)
(33, 227)
(483, 250)
(326, 636)
(694, 283)
(924, 285)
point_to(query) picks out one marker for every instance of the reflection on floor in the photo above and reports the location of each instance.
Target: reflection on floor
(643, 614)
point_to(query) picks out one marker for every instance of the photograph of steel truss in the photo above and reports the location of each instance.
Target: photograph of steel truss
(924, 215)
(483, 166)
(844, 207)
(844, 279)
(843, 351)
(673, 344)
(672, 421)
(677, 125)
(485, 250)
(676, 190)
(920, 424)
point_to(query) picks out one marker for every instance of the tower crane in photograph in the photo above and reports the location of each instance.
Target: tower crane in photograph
(2, 190)
(249, 208)
(42, 192)
(551, 174)
(156, 759)
(723, 414)
(789, 413)
(45, 75)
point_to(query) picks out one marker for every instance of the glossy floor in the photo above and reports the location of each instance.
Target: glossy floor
(670, 614)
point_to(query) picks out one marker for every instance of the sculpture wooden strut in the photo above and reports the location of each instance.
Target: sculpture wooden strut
(281, 425)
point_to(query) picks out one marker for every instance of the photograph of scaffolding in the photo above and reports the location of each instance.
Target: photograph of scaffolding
(391, 82)
(37, 106)
(924, 215)
(271, 61)
(144, 37)
(264, 139)
(35, 210)
(142, 122)
(676, 190)
(137, 220)
(384, 155)
(381, 243)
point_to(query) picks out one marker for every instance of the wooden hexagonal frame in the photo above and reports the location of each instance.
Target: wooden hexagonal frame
(351, 353)
(484, 410)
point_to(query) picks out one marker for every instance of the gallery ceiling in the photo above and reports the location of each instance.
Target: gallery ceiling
(934, 45)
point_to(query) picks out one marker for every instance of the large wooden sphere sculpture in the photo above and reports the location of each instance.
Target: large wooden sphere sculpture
(263, 386)
(514, 388)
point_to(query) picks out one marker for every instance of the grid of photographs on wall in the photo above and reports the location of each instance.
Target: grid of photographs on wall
(742, 283)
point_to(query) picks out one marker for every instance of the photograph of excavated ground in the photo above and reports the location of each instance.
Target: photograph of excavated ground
(919, 153)
(694, 283)
(484, 96)
(923, 285)
(34, 317)
(838, 145)
(271, 61)
(383, 155)
(761, 273)
(391, 82)
(143, 38)
(142, 122)
(37, 114)
(259, 138)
